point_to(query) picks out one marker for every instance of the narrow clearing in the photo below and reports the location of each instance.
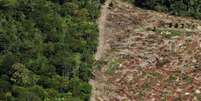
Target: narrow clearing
(144, 55)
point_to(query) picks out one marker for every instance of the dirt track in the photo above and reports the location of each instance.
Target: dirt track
(102, 45)
(103, 34)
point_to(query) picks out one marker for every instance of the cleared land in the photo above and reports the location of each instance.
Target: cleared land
(146, 56)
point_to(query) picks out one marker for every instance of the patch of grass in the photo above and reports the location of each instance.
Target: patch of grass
(164, 96)
(187, 78)
(199, 97)
(99, 64)
(141, 95)
(168, 33)
(112, 66)
(146, 85)
(154, 74)
(171, 79)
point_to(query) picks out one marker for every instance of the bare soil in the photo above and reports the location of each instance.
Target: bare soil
(143, 58)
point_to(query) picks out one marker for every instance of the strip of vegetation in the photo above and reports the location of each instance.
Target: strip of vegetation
(47, 49)
(169, 33)
(175, 7)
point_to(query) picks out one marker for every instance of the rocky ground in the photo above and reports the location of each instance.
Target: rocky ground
(146, 56)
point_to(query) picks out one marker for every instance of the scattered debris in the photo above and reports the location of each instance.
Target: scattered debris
(158, 59)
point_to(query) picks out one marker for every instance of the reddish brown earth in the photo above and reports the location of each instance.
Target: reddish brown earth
(141, 59)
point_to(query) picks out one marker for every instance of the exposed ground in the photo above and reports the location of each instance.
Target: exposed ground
(144, 55)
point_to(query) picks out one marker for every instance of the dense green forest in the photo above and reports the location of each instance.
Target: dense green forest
(47, 49)
(175, 7)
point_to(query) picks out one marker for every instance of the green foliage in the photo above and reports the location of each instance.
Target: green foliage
(46, 49)
(169, 33)
(22, 76)
(112, 66)
(7, 3)
(176, 7)
(79, 88)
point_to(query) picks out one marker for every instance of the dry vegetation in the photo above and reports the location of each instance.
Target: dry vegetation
(150, 58)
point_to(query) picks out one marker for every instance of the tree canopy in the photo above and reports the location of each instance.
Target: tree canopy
(176, 7)
(47, 49)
